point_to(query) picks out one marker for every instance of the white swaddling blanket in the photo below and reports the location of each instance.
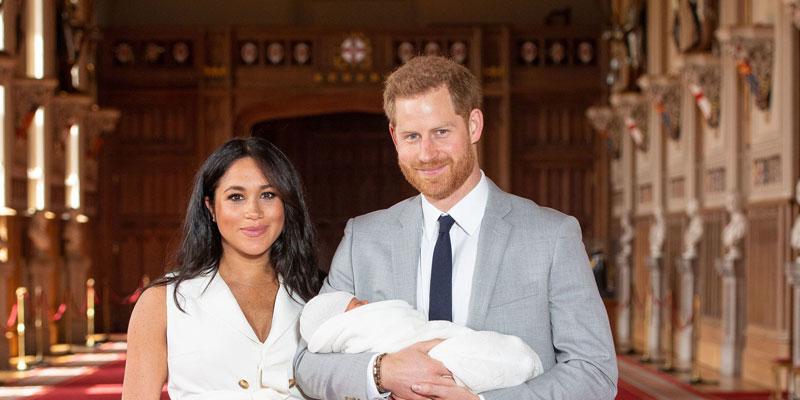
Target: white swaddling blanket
(479, 360)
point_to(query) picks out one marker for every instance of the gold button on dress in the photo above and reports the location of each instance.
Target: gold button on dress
(243, 384)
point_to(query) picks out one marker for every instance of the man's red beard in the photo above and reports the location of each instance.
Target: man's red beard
(446, 183)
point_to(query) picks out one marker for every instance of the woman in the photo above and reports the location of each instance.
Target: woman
(223, 324)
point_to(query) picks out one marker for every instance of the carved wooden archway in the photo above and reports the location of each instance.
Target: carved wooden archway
(307, 104)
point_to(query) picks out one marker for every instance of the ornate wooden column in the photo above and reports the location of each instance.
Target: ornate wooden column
(663, 94)
(78, 227)
(609, 125)
(6, 272)
(68, 112)
(40, 266)
(750, 58)
(632, 108)
(29, 95)
(77, 262)
(7, 267)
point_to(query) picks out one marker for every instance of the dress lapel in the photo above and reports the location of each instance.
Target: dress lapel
(492, 242)
(218, 301)
(405, 251)
(284, 315)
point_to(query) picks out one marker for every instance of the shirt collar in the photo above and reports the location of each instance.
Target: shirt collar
(467, 213)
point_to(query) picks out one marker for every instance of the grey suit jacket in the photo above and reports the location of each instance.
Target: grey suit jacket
(532, 280)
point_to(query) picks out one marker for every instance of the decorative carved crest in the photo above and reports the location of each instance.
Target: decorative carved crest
(69, 109)
(354, 51)
(702, 75)
(664, 94)
(753, 49)
(633, 109)
(609, 125)
(793, 7)
(30, 94)
(100, 120)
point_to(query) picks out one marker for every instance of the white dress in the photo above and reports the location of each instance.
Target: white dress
(213, 353)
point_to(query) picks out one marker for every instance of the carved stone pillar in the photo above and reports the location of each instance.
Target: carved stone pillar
(752, 47)
(40, 268)
(663, 92)
(729, 269)
(633, 109)
(624, 282)
(793, 8)
(77, 263)
(687, 321)
(655, 262)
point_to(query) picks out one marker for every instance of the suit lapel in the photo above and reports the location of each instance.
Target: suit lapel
(492, 242)
(405, 251)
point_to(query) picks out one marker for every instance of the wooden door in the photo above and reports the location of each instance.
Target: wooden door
(348, 166)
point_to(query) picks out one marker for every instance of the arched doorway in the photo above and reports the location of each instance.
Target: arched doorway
(348, 166)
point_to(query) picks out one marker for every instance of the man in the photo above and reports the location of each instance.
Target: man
(464, 251)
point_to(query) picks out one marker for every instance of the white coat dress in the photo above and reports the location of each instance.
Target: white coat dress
(213, 353)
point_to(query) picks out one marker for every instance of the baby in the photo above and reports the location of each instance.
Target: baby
(338, 322)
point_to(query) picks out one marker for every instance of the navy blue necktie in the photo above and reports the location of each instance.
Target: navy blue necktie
(441, 295)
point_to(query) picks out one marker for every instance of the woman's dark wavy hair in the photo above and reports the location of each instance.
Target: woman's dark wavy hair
(293, 254)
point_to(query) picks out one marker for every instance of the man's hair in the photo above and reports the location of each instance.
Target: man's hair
(426, 73)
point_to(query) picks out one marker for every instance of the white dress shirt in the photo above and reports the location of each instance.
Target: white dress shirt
(468, 214)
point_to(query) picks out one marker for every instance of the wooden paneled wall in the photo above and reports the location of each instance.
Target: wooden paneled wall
(553, 154)
(183, 92)
(767, 296)
(673, 248)
(148, 172)
(710, 251)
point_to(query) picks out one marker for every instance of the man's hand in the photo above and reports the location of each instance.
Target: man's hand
(412, 366)
(447, 391)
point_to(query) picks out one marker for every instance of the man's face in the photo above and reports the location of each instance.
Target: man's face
(434, 144)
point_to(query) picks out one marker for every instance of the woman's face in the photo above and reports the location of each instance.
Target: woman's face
(247, 210)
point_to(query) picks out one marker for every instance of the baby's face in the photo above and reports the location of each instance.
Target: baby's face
(355, 303)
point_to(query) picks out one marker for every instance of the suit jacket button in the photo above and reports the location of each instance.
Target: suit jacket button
(243, 384)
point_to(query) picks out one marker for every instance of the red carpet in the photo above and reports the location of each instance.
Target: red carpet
(101, 384)
(626, 391)
(637, 382)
